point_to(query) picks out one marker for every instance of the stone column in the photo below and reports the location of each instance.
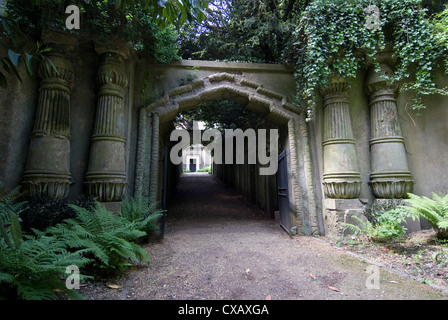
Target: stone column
(342, 179)
(390, 177)
(106, 175)
(47, 171)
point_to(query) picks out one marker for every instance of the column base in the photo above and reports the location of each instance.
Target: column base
(106, 191)
(42, 185)
(342, 189)
(392, 189)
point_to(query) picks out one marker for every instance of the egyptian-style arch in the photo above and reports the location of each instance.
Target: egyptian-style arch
(254, 97)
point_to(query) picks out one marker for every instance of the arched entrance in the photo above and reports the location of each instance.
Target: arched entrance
(236, 87)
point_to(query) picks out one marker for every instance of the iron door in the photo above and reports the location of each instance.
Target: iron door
(283, 199)
(192, 165)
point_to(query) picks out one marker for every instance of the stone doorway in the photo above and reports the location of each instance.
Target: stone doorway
(253, 96)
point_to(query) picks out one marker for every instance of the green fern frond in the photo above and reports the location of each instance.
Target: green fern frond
(434, 210)
(6, 277)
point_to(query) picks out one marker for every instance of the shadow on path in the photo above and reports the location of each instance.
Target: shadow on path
(201, 200)
(216, 247)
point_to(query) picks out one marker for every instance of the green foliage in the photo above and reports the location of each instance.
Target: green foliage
(440, 25)
(144, 25)
(104, 236)
(332, 37)
(434, 210)
(138, 24)
(34, 271)
(19, 51)
(241, 30)
(142, 212)
(43, 212)
(385, 221)
(9, 217)
(220, 114)
(386, 226)
(30, 266)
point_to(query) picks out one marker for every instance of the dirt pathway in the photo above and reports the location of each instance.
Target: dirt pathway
(217, 247)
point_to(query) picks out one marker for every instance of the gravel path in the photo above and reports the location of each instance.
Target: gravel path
(218, 247)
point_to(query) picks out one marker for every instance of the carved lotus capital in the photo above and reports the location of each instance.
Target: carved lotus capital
(63, 70)
(112, 71)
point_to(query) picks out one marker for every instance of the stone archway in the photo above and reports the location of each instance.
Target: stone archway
(254, 97)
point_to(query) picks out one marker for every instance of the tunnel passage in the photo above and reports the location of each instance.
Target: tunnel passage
(241, 171)
(156, 119)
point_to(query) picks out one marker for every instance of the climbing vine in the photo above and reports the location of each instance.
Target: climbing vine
(334, 37)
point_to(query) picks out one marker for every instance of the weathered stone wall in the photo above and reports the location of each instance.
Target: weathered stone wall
(314, 179)
(425, 138)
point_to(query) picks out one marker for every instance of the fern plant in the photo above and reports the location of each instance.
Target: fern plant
(142, 212)
(385, 226)
(434, 210)
(106, 237)
(9, 216)
(34, 271)
(31, 266)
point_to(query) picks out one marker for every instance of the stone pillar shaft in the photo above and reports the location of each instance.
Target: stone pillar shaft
(106, 176)
(390, 177)
(47, 171)
(342, 179)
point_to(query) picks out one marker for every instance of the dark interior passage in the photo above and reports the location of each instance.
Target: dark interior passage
(201, 199)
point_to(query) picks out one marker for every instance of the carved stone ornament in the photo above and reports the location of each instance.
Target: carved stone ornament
(342, 179)
(47, 171)
(106, 176)
(390, 177)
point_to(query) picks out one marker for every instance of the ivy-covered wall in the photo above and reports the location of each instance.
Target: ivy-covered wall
(425, 135)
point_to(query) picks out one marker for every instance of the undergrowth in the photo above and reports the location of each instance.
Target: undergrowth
(34, 261)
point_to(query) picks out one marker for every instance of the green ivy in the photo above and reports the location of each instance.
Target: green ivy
(332, 37)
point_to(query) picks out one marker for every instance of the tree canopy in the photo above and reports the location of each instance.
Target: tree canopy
(315, 37)
(322, 37)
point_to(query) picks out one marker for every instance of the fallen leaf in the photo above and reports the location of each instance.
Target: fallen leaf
(113, 286)
(333, 288)
(268, 297)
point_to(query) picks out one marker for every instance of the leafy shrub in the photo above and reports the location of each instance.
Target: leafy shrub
(434, 210)
(385, 221)
(142, 212)
(34, 270)
(386, 226)
(43, 212)
(102, 235)
(30, 266)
